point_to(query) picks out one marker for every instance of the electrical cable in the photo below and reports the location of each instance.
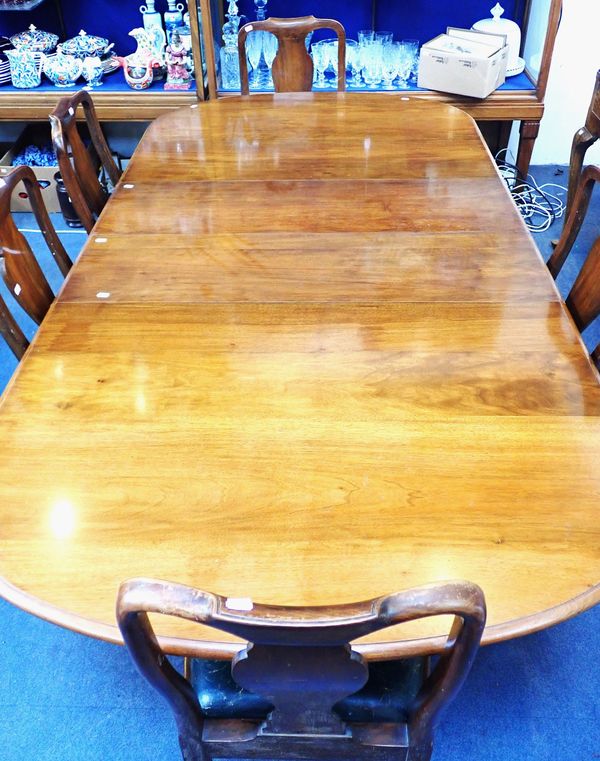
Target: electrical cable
(537, 205)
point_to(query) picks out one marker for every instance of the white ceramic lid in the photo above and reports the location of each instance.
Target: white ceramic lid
(498, 25)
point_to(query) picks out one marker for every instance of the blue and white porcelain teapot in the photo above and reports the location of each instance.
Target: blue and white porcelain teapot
(63, 70)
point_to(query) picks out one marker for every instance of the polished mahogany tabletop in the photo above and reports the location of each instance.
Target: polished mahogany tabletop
(309, 355)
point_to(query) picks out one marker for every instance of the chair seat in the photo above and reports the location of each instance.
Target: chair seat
(390, 690)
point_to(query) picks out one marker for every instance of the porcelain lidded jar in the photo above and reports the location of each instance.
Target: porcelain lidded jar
(84, 45)
(498, 25)
(35, 40)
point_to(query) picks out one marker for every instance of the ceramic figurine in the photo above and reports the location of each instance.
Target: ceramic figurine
(178, 75)
(93, 71)
(173, 17)
(63, 70)
(25, 67)
(151, 17)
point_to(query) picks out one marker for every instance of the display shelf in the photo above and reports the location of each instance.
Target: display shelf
(115, 100)
(518, 83)
(521, 98)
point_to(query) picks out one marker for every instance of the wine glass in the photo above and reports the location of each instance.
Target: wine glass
(372, 61)
(365, 36)
(331, 49)
(320, 58)
(353, 61)
(412, 47)
(390, 64)
(404, 63)
(254, 52)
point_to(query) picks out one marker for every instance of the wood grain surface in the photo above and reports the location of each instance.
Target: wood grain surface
(288, 370)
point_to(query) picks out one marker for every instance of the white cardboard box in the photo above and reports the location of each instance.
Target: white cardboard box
(464, 62)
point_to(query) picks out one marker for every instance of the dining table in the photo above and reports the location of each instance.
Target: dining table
(308, 355)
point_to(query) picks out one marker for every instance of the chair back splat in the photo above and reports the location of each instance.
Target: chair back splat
(292, 68)
(20, 269)
(300, 664)
(78, 166)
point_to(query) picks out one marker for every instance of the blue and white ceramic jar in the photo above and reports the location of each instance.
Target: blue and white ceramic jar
(35, 40)
(84, 45)
(25, 67)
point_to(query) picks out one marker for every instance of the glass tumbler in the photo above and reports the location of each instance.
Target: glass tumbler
(372, 63)
(385, 38)
(412, 46)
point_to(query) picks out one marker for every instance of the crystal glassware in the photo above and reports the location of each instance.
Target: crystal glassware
(254, 42)
(331, 50)
(371, 63)
(270, 45)
(261, 9)
(412, 47)
(390, 64)
(320, 58)
(404, 63)
(385, 38)
(365, 36)
(230, 67)
(353, 61)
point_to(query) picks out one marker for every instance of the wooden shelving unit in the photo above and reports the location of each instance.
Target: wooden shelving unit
(505, 105)
(114, 101)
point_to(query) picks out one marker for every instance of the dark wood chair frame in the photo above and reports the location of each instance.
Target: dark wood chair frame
(301, 662)
(79, 168)
(292, 66)
(583, 301)
(582, 140)
(20, 269)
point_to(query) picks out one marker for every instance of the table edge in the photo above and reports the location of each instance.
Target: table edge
(180, 646)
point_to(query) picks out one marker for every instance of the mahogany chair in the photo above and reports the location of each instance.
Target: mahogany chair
(298, 690)
(20, 270)
(582, 140)
(292, 67)
(583, 301)
(79, 167)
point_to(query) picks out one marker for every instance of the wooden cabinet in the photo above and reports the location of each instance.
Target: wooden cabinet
(115, 100)
(521, 98)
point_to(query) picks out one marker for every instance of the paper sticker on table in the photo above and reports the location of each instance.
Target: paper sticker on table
(239, 603)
